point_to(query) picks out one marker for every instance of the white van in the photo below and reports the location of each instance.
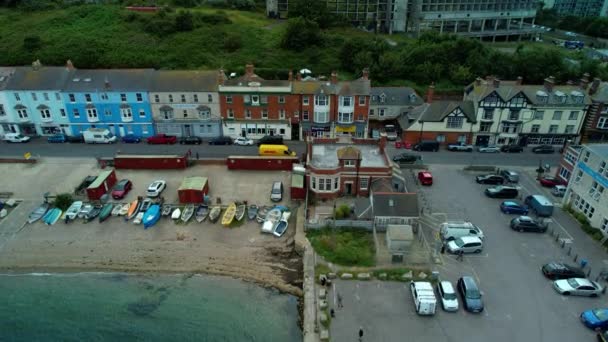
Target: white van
(15, 138)
(98, 136)
(453, 230)
(424, 297)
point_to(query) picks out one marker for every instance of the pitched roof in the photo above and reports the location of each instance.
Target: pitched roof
(5, 74)
(395, 96)
(184, 80)
(438, 110)
(109, 80)
(396, 204)
(45, 78)
(359, 86)
(244, 80)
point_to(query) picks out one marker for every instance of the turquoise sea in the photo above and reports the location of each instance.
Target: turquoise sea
(125, 307)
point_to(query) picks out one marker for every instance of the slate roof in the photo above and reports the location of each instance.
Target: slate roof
(438, 110)
(83, 80)
(45, 78)
(359, 86)
(601, 95)
(395, 96)
(396, 204)
(5, 74)
(184, 80)
(243, 80)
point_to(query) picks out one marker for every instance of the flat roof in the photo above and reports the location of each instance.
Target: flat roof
(325, 156)
(599, 149)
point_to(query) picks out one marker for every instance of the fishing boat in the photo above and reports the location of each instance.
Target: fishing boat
(151, 216)
(48, 216)
(240, 212)
(105, 212)
(166, 210)
(124, 209)
(262, 212)
(145, 204)
(215, 213)
(72, 211)
(201, 213)
(54, 217)
(252, 211)
(85, 210)
(282, 226)
(138, 218)
(177, 213)
(116, 209)
(38, 213)
(133, 209)
(229, 214)
(187, 213)
(93, 213)
(271, 221)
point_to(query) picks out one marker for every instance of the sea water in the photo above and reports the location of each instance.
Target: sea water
(125, 307)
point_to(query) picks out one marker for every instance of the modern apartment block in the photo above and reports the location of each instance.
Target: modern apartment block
(586, 191)
(581, 8)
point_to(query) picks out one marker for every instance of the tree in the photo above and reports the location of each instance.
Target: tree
(232, 42)
(300, 34)
(63, 201)
(313, 10)
(32, 43)
(184, 21)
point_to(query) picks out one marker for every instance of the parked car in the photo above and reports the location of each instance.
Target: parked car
(528, 224)
(191, 140)
(460, 147)
(453, 230)
(549, 181)
(75, 139)
(425, 178)
(447, 294)
(57, 138)
(429, 145)
(540, 205)
(276, 194)
(577, 287)
(512, 207)
(489, 179)
(162, 139)
(465, 244)
(489, 149)
(511, 148)
(221, 141)
(131, 139)
(560, 270)
(502, 192)
(242, 141)
(595, 319)
(559, 190)
(510, 175)
(406, 158)
(156, 188)
(471, 296)
(271, 140)
(543, 149)
(15, 138)
(121, 189)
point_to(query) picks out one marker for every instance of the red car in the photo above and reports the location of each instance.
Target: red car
(162, 139)
(425, 178)
(549, 181)
(121, 189)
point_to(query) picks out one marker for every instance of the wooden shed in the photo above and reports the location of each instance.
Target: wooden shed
(102, 184)
(193, 190)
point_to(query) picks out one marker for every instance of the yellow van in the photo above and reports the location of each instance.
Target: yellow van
(275, 150)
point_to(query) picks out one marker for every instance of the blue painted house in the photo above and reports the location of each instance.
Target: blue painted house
(115, 99)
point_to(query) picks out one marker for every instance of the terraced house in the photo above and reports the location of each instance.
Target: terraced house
(114, 99)
(186, 102)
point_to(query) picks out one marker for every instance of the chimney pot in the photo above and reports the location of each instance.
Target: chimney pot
(430, 93)
(366, 74)
(478, 81)
(496, 83)
(69, 65)
(334, 77)
(249, 69)
(221, 77)
(519, 81)
(549, 83)
(594, 85)
(298, 76)
(290, 75)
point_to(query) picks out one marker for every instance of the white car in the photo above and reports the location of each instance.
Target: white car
(489, 149)
(570, 34)
(243, 141)
(156, 188)
(578, 287)
(15, 138)
(558, 191)
(449, 300)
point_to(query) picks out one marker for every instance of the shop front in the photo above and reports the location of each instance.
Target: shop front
(257, 130)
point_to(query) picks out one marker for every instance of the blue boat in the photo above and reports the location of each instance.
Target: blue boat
(48, 217)
(151, 216)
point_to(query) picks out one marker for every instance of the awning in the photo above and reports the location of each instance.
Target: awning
(90, 106)
(20, 106)
(346, 129)
(166, 108)
(40, 107)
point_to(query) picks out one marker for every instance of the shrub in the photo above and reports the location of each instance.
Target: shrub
(63, 201)
(345, 209)
(232, 42)
(597, 235)
(344, 247)
(32, 43)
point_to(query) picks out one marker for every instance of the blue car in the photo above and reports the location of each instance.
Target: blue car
(512, 207)
(595, 319)
(57, 138)
(131, 139)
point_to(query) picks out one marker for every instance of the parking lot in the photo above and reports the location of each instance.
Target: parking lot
(520, 304)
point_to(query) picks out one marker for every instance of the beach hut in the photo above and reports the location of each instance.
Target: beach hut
(102, 184)
(193, 190)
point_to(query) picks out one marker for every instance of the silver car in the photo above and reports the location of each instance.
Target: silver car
(449, 300)
(489, 149)
(578, 287)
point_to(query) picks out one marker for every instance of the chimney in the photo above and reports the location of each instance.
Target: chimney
(290, 76)
(519, 81)
(549, 83)
(594, 85)
(382, 142)
(249, 69)
(366, 74)
(106, 83)
(489, 78)
(496, 83)
(298, 76)
(430, 93)
(36, 64)
(478, 81)
(585, 81)
(69, 65)
(221, 77)
(334, 77)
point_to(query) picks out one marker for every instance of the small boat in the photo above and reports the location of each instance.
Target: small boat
(201, 213)
(262, 212)
(187, 213)
(145, 205)
(252, 211)
(229, 214)
(282, 226)
(133, 209)
(214, 214)
(38, 213)
(54, 216)
(46, 216)
(272, 220)
(240, 212)
(138, 218)
(167, 209)
(177, 213)
(105, 212)
(116, 209)
(73, 211)
(151, 216)
(93, 213)
(124, 209)
(85, 210)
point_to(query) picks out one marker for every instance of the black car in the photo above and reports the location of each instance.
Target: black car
(543, 149)
(190, 140)
(271, 140)
(221, 141)
(528, 224)
(559, 270)
(502, 192)
(511, 148)
(429, 145)
(75, 139)
(490, 179)
(406, 158)
(471, 297)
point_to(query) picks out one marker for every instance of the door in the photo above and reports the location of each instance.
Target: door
(187, 130)
(482, 140)
(121, 130)
(348, 188)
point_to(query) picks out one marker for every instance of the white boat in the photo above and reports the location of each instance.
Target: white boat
(73, 211)
(138, 218)
(187, 213)
(272, 220)
(282, 226)
(116, 209)
(177, 213)
(124, 209)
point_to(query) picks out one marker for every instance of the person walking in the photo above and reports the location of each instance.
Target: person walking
(460, 255)
(340, 306)
(332, 313)
(443, 248)
(360, 333)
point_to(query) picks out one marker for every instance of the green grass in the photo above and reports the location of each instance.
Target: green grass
(344, 247)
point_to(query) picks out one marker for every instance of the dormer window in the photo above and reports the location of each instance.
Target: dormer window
(541, 96)
(349, 163)
(382, 98)
(560, 97)
(577, 96)
(413, 97)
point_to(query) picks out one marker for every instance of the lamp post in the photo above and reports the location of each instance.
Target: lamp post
(421, 129)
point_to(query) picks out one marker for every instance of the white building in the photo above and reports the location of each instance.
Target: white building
(587, 187)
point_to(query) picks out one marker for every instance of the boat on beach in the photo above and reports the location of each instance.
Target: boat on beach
(116, 209)
(151, 216)
(124, 209)
(177, 213)
(93, 213)
(138, 218)
(201, 213)
(229, 214)
(167, 209)
(240, 212)
(271, 221)
(105, 212)
(214, 213)
(38, 213)
(54, 216)
(262, 212)
(187, 213)
(252, 211)
(283, 224)
(72, 211)
(145, 204)
(133, 209)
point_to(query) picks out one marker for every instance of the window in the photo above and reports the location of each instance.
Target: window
(586, 156)
(139, 97)
(230, 114)
(381, 112)
(553, 128)
(510, 127)
(602, 123)
(454, 122)
(578, 177)
(321, 100)
(602, 167)
(321, 117)
(92, 113)
(126, 113)
(345, 117)
(185, 113)
(364, 183)
(204, 114)
(336, 183)
(305, 115)
(228, 98)
(514, 115)
(57, 96)
(596, 191)
(557, 115)
(17, 97)
(573, 115)
(361, 100)
(371, 112)
(2, 111)
(34, 97)
(72, 98)
(305, 101)
(539, 115)
(263, 99)
(209, 98)
(167, 114)
(123, 97)
(347, 101)
(104, 96)
(255, 100)
(62, 113)
(324, 184)
(570, 158)
(264, 113)
(584, 206)
(170, 98)
(22, 113)
(488, 114)
(485, 126)
(569, 129)
(535, 129)
(281, 114)
(87, 97)
(45, 114)
(142, 113)
(107, 112)
(604, 226)
(183, 97)
(247, 114)
(156, 98)
(564, 173)
(76, 113)
(194, 97)
(46, 96)
(440, 138)
(349, 163)
(281, 99)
